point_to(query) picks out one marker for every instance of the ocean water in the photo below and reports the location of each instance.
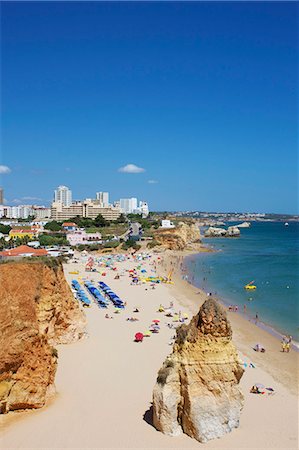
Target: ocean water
(267, 253)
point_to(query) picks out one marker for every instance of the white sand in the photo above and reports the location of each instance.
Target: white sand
(105, 383)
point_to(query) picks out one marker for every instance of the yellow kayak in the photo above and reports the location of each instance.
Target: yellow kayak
(250, 287)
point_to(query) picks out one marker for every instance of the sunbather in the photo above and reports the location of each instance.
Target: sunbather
(255, 390)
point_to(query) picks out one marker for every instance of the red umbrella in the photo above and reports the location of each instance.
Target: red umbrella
(139, 337)
(156, 321)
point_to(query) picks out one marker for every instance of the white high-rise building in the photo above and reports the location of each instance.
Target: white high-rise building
(143, 208)
(103, 198)
(63, 195)
(128, 205)
(21, 211)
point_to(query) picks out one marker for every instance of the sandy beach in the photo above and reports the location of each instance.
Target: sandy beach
(104, 383)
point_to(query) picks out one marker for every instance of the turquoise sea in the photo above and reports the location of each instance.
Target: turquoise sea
(267, 253)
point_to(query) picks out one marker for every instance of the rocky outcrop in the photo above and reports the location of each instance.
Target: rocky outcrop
(232, 231)
(37, 311)
(197, 387)
(244, 225)
(178, 238)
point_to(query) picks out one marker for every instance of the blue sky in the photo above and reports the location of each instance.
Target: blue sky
(202, 96)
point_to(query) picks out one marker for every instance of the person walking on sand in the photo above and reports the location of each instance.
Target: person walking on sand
(256, 318)
(283, 344)
(288, 343)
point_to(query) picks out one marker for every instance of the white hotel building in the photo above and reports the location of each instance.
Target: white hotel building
(63, 195)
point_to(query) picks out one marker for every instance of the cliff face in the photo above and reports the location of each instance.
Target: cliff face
(197, 387)
(59, 315)
(37, 311)
(178, 238)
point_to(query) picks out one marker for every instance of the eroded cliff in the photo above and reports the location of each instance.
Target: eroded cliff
(37, 311)
(178, 238)
(197, 387)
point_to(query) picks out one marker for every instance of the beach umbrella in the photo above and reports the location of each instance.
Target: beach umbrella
(139, 336)
(143, 271)
(156, 320)
(147, 333)
(259, 385)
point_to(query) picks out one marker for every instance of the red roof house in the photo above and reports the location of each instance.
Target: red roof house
(69, 226)
(23, 250)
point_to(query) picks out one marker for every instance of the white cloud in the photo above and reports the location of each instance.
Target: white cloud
(4, 170)
(153, 181)
(131, 168)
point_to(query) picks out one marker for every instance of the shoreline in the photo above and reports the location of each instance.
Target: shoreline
(105, 382)
(242, 326)
(268, 327)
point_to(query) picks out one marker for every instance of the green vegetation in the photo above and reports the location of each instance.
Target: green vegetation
(5, 229)
(53, 226)
(148, 233)
(16, 242)
(112, 244)
(99, 222)
(49, 261)
(113, 230)
(122, 219)
(11, 243)
(153, 244)
(110, 231)
(45, 239)
(29, 219)
(82, 222)
(85, 222)
(93, 230)
(130, 243)
(91, 247)
(146, 223)
(2, 243)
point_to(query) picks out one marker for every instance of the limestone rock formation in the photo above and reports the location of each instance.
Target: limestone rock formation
(37, 311)
(232, 231)
(197, 387)
(215, 232)
(244, 225)
(180, 237)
